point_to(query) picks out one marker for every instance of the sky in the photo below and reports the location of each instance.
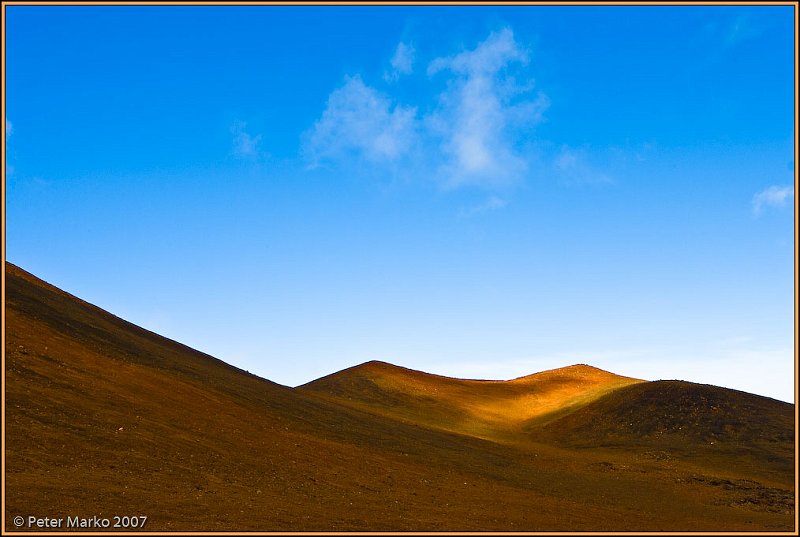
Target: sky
(476, 191)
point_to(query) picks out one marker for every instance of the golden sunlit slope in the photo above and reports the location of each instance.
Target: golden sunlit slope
(485, 408)
(105, 418)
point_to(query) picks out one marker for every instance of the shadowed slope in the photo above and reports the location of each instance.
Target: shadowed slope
(696, 420)
(486, 408)
(678, 411)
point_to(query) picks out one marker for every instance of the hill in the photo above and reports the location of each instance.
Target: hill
(104, 418)
(678, 412)
(697, 421)
(485, 408)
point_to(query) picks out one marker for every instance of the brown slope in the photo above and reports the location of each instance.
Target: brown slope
(696, 420)
(105, 418)
(484, 408)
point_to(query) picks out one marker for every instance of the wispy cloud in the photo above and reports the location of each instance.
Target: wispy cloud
(721, 36)
(245, 145)
(481, 111)
(572, 168)
(741, 28)
(361, 121)
(773, 196)
(477, 117)
(493, 203)
(9, 129)
(402, 62)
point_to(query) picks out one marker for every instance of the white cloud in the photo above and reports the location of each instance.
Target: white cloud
(477, 119)
(486, 59)
(245, 145)
(773, 196)
(479, 115)
(361, 121)
(9, 129)
(402, 62)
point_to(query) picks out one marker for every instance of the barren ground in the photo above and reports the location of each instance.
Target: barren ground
(105, 418)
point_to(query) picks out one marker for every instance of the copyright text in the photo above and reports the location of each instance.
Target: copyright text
(137, 521)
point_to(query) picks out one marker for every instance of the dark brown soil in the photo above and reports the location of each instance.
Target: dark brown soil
(104, 418)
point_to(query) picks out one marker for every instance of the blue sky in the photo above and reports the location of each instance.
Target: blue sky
(480, 192)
